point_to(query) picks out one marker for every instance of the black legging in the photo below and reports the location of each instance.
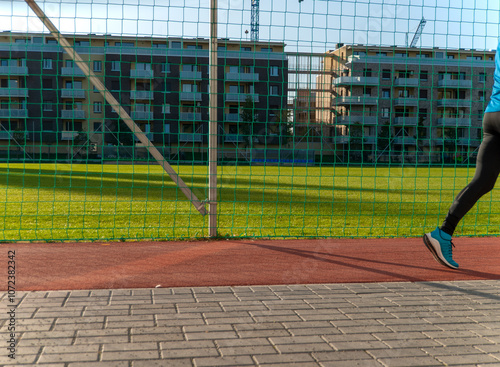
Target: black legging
(487, 171)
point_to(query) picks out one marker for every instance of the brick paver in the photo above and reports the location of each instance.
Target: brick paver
(375, 324)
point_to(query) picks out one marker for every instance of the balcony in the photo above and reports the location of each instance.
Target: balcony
(242, 77)
(453, 122)
(12, 113)
(409, 102)
(190, 138)
(241, 97)
(13, 70)
(453, 103)
(405, 140)
(73, 93)
(142, 115)
(363, 120)
(355, 100)
(141, 94)
(72, 71)
(73, 114)
(13, 92)
(232, 117)
(454, 83)
(406, 82)
(233, 138)
(355, 80)
(405, 121)
(141, 74)
(370, 140)
(190, 96)
(343, 139)
(190, 75)
(190, 116)
(68, 135)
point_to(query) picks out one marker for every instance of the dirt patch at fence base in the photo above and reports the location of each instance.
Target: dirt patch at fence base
(67, 266)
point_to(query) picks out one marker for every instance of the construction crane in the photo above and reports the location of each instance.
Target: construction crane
(254, 26)
(418, 33)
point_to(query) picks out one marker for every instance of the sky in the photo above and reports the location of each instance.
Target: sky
(309, 26)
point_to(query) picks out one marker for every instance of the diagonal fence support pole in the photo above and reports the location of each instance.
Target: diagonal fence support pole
(117, 107)
(212, 135)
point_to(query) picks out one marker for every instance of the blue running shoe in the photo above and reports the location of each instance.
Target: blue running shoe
(440, 245)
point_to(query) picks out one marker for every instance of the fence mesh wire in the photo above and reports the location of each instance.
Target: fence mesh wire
(334, 118)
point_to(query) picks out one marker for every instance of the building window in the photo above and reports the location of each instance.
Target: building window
(115, 65)
(165, 68)
(97, 107)
(194, 47)
(47, 63)
(165, 108)
(246, 48)
(176, 44)
(482, 77)
(98, 66)
(266, 49)
(273, 90)
(423, 93)
(386, 74)
(274, 71)
(367, 73)
(424, 75)
(386, 93)
(385, 112)
(47, 106)
(97, 127)
(481, 95)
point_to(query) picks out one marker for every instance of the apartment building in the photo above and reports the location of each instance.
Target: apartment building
(394, 104)
(48, 109)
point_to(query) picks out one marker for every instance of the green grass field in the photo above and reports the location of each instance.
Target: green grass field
(57, 202)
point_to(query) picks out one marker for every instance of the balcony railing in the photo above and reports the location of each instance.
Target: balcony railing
(13, 92)
(454, 83)
(411, 102)
(453, 103)
(14, 113)
(232, 117)
(141, 94)
(68, 135)
(73, 114)
(405, 121)
(71, 71)
(73, 93)
(14, 70)
(190, 116)
(453, 122)
(241, 97)
(190, 75)
(233, 138)
(363, 120)
(341, 139)
(190, 137)
(406, 82)
(190, 96)
(142, 115)
(405, 140)
(355, 100)
(242, 77)
(141, 74)
(356, 80)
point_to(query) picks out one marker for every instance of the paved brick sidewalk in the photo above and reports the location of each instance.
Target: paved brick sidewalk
(376, 324)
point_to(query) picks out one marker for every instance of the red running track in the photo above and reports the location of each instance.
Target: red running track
(69, 266)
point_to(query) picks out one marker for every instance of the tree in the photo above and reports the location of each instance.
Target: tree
(81, 144)
(248, 118)
(283, 119)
